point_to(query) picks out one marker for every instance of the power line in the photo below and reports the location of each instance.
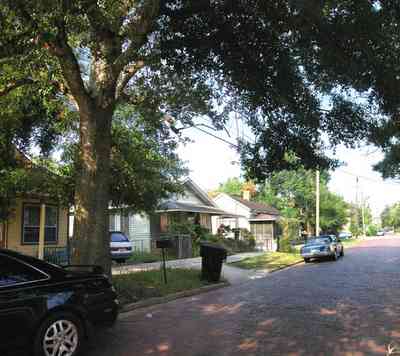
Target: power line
(217, 137)
(367, 178)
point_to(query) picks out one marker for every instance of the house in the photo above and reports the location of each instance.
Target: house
(36, 223)
(192, 206)
(258, 218)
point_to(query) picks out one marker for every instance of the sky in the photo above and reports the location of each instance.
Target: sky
(212, 162)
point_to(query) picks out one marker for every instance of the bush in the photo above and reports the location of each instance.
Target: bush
(285, 245)
(236, 246)
(372, 230)
(144, 257)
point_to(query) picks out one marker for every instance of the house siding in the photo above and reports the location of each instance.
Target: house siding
(232, 206)
(14, 228)
(265, 239)
(135, 226)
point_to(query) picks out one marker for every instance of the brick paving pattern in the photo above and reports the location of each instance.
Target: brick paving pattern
(348, 307)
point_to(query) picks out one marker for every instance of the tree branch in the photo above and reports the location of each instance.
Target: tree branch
(137, 30)
(16, 84)
(69, 66)
(59, 48)
(99, 23)
(127, 75)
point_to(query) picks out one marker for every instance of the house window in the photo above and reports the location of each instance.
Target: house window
(115, 222)
(31, 224)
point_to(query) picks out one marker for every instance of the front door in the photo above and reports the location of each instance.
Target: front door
(263, 234)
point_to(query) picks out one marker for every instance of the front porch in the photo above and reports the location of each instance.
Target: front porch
(37, 227)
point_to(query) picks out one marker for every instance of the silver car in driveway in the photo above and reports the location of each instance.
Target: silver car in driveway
(121, 246)
(324, 246)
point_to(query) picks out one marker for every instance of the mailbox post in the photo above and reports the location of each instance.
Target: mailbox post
(163, 244)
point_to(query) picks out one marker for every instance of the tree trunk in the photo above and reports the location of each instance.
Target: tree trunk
(309, 229)
(91, 236)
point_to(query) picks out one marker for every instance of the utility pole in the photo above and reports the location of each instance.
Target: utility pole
(363, 214)
(357, 207)
(317, 203)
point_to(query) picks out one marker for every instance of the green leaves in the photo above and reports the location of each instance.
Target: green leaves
(293, 193)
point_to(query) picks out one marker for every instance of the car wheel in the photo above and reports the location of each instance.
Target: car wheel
(335, 256)
(306, 260)
(60, 334)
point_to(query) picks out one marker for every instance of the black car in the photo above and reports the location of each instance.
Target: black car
(50, 310)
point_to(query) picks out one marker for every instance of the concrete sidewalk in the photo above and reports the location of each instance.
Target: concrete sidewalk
(232, 274)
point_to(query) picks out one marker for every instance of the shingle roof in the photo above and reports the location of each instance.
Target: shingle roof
(170, 206)
(256, 207)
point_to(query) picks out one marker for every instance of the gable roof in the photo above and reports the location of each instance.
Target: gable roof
(256, 207)
(171, 206)
(201, 194)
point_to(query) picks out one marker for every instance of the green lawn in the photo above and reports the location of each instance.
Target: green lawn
(351, 242)
(137, 286)
(271, 261)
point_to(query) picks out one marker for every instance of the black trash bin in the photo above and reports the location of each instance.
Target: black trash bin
(211, 263)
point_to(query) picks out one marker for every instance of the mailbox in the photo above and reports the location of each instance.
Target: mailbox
(164, 243)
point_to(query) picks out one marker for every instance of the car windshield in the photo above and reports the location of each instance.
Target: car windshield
(118, 237)
(319, 240)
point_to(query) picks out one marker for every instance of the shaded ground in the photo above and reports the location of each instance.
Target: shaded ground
(134, 287)
(348, 307)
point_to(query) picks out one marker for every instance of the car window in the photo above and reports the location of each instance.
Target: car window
(15, 272)
(321, 240)
(118, 237)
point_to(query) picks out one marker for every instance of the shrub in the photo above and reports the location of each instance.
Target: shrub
(285, 245)
(372, 230)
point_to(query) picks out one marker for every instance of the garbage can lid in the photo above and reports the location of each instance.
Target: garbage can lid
(210, 248)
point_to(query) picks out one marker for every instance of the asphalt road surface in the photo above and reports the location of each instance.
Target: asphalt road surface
(348, 307)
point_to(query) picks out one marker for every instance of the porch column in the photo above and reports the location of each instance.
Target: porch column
(41, 230)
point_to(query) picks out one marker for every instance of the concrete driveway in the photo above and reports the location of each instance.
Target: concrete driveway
(348, 307)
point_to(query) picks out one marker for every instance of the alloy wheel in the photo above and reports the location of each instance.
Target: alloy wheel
(61, 339)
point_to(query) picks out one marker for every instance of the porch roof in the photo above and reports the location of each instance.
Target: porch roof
(264, 217)
(174, 206)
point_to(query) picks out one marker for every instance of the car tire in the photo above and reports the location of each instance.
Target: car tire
(335, 256)
(306, 260)
(70, 334)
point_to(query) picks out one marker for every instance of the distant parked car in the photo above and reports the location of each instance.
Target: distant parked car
(48, 310)
(380, 233)
(345, 235)
(324, 246)
(121, 246)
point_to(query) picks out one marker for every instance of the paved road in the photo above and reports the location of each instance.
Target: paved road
(349, 307)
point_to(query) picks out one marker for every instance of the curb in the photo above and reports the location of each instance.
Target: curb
(269, 270)
(160, 300)
(284, 267)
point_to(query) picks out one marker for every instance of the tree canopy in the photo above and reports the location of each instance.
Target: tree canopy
(270, 61)
(390, 216)
(293, 193)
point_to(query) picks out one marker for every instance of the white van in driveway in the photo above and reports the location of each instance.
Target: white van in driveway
(121, 246)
